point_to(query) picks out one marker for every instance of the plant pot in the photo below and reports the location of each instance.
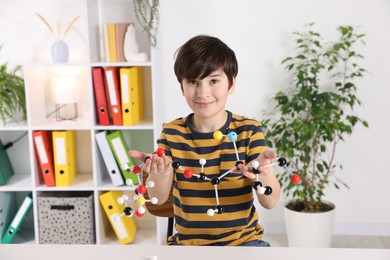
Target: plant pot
(309, 229)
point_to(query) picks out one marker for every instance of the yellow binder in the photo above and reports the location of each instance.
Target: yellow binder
(132, 95)
(64, 149)
(124, 227)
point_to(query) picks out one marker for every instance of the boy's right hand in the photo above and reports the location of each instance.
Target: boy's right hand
(153, 164)
(159, 170)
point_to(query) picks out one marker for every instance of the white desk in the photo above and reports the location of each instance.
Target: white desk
(129, 252)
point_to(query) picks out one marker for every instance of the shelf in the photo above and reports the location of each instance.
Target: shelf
(122, 64)
(81, 123)
(12, 126)
(40, 80)
(146, 237)
(145, 124)
(82, 182)
(18, 182)
(41, 98)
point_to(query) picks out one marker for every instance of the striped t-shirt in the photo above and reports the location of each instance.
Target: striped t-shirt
(192, 197)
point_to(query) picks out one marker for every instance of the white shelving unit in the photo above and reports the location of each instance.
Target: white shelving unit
(92, 175)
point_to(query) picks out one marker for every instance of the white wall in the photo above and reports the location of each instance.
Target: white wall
(259, 32)
(25, 37)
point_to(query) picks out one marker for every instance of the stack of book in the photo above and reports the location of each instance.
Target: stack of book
(119, 95)
(56, 154)
(114, 38)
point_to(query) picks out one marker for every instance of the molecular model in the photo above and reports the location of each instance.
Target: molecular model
(139, 190)
(215, 181)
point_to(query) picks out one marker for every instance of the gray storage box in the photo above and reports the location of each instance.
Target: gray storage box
(66, 218)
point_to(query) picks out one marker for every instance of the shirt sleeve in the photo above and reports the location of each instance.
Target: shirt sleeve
(162, 142)
(257, 143)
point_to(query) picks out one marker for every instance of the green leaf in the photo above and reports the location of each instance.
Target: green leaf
(320, 168)
(12, 100)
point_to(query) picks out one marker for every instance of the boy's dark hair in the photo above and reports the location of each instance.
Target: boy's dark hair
(201, 55)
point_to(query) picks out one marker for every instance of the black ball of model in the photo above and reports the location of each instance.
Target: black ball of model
(282, 161)
(128, 211)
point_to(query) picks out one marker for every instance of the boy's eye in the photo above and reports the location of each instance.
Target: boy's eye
(214, 81)
(192, 82)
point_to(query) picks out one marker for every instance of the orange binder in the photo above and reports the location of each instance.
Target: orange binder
(112, 82)
(100, 96)
(132, 95)
(44, 151)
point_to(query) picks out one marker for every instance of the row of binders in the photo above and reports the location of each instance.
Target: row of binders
(56, 153)
(11, 222)
(119, 95)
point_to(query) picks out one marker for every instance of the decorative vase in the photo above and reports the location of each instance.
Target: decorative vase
(59, 51)
(309, 229)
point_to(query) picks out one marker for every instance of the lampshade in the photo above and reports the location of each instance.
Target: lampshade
(65, 90)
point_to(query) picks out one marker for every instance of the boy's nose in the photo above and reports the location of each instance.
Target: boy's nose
(202, 90)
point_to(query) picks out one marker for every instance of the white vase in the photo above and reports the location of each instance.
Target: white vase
(309, 229)
(59, 51)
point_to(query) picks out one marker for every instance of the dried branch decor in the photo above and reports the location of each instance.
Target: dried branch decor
(59, 31)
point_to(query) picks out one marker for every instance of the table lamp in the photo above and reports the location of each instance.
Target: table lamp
(66, 96)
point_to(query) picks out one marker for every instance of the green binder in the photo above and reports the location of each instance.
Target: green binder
(6, 170)
(18, 219)
(7, 210)
(119, 149)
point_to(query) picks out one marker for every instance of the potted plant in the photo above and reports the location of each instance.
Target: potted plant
(148, 16)
(312, 116)
(12, 95)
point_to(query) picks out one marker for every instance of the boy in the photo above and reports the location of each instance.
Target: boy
(206, 69)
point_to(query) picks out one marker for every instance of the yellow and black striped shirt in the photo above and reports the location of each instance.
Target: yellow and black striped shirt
(192, 197)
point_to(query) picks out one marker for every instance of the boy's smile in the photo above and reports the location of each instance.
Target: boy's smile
(203, 104)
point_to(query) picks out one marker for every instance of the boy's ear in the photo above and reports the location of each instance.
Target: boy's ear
(233, 86)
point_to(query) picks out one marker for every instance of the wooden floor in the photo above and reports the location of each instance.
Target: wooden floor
(339, 241)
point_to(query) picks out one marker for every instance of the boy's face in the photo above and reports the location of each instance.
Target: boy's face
(207, 97)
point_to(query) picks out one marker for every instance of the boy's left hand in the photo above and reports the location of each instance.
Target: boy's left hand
(264, 158)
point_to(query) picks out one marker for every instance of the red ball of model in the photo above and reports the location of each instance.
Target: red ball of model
(160, 152)
(139, 214)
(136, 169)
(141, 189)
(188, 173)
(295, 178)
